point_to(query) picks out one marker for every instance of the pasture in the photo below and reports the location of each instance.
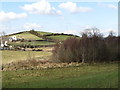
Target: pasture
(100, 75)
(59, 37)
(13, 56)
(28, 36)
(85, 76)
(33, 43)
(43, 33)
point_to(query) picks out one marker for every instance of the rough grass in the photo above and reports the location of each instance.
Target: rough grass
(87, 76)
(11, 56)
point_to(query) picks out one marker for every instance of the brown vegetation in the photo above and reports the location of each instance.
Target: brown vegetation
(91, 47)
(36, 64)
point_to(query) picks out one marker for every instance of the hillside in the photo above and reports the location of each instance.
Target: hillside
(38, 38)
(38, 35)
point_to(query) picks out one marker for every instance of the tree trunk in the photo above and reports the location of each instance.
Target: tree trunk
(83, 58)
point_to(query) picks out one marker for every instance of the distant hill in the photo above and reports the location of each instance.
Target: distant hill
(39, 35)
(38, 38)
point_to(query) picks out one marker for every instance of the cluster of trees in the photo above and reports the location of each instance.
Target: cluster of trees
(90, 47)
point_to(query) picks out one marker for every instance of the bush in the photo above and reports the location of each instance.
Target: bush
(67, 51)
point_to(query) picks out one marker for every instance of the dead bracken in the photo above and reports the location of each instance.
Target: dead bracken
(37, 64)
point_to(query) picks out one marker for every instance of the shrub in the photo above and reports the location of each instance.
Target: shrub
(67, 51)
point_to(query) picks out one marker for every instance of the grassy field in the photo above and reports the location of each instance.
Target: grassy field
(28, 36)
(11, 56)
(59, 37)
(32, 43)
(43, 33)
(86, 76)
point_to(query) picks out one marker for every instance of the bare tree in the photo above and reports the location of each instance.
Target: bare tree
(2, 34)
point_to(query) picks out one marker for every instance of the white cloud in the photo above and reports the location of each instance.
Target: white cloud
(73, 8)
(11, 16)
(112, 6)
(32, 26)
(108, 5)
(8, 29)
(108, 30)
(75, 32)
(42, 7)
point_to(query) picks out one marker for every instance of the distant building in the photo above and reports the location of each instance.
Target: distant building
(13, 38)
(4, 40)
(3, 44)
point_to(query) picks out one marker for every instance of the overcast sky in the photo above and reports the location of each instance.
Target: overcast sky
(64, 17)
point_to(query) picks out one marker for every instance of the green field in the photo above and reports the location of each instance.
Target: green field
(34, 43)
(59, 37)
(11, 56)
(86, 76)
(43, 33)
(28, 36)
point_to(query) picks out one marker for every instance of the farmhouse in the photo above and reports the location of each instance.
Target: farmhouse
(13, 38)
(4, 40)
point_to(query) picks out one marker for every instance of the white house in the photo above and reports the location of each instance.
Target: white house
(3, 44)
(5, 40)
(13, 38)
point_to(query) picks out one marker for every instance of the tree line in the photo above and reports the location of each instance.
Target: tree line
(90, 47)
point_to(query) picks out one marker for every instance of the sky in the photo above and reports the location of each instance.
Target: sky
(59, 17)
